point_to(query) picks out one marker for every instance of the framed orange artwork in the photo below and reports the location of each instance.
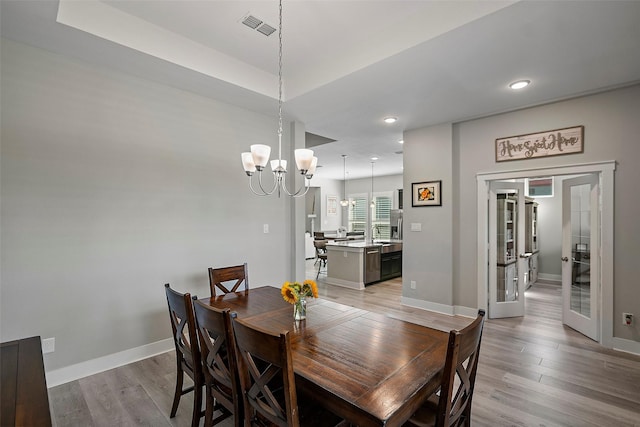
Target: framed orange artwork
(426, 193)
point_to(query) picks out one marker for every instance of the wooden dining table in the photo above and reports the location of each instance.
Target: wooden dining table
(369, 368)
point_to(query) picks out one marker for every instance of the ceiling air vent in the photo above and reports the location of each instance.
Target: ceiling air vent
(258, 24)
(266, 29)
(251, 21)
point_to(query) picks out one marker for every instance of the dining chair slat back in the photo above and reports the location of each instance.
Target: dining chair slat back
(266, 371)
(453, 406)
(188, 361)
(228, 279)
(267, 381)
(321, 254)
(219, 363)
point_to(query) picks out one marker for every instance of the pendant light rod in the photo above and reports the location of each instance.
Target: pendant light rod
(373, 204)
(257, 159)
(344, 202)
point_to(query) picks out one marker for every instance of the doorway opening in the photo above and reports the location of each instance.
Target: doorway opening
(601, 314)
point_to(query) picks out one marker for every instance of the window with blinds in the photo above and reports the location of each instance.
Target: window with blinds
(381, 217)
(358, 214)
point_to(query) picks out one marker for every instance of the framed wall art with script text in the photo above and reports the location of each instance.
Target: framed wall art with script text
(542, 144)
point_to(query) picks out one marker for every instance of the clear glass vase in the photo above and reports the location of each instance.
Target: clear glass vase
(300, 309)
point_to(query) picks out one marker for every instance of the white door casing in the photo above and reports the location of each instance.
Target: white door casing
(605, 170)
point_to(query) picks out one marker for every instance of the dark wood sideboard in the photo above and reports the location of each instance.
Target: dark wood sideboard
(23, 386)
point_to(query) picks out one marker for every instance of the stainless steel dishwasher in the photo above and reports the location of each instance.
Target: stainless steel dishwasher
(371, 264)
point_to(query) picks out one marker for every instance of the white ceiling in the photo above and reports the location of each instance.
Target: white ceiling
(348, 64)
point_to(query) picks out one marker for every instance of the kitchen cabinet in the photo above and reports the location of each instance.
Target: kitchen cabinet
(390, 265)
(354, 264)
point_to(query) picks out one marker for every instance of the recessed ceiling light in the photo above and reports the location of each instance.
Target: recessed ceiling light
(390, 120)
(520, 84)
(401, 141)
(374, 158)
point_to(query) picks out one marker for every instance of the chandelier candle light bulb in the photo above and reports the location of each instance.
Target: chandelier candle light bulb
(248, 163)
(275, 164)
(304, 157)
(312, 168)
(260, 154)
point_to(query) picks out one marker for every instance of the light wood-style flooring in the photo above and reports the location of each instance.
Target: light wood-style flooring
(533, 371)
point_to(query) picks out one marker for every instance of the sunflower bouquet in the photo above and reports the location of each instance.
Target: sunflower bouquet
(293, 292)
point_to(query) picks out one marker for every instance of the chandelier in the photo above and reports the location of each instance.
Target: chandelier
(257, 159)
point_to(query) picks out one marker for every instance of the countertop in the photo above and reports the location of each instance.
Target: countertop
(365, 243)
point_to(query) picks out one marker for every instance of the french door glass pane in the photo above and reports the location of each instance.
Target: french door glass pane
(580, 250)
(507, 256)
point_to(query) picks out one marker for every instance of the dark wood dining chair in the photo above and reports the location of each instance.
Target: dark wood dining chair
(187, 351)
(228, 279)
(267, 382)
(453, 406)
(318, 235)
(321, 254)
(219, 364)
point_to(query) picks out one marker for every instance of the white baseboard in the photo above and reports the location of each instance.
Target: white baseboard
(550, 277)
(427, 305)
(626, 345)
(344, 283)
(455, 310)
(101, 364)
(460, 310)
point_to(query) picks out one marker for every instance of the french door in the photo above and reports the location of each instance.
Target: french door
(581, 254)
(507, 260)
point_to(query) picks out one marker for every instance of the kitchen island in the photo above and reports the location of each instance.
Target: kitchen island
(357, 264)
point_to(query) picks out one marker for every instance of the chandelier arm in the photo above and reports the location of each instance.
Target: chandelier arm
(305, 187)
(284, 187)
(270, 192)
(254, 191)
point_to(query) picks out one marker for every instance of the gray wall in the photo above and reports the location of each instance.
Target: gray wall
(611, 133)
(380, 184)
(427, 255)
(112, 186)
(327, 187)
(550, 232)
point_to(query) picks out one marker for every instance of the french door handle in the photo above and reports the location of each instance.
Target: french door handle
(565, 259)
